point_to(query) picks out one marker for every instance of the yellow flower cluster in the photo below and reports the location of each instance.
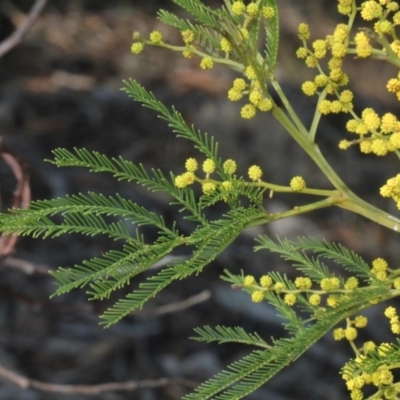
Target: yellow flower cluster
(380, 268)
(359, 373)
(297, 184)
(206, 63)
(392, 189)
(209, 185)
(384, 132)
(334, 46)
(391, 313)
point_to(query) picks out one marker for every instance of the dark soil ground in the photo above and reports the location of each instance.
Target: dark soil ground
(61, 88)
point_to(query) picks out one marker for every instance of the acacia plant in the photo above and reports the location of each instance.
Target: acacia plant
(244, 36)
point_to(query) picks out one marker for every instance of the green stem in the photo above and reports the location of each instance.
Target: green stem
(348, 200)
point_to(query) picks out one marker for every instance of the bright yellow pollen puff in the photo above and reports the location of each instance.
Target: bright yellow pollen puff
(206, 63)
(369, 346)
(290, 299)
(383, 27)
(332, 301)
(183, 180)
(188, 36)
(239, 84)
(137, 47)
(314, 299)
(335, 107)
(249, 281)
(229, 167)
(340, 33)
(350, 333)
(255, 97)
(393, 85)
(209, 166)
(321, 80)
(191, 165)
(248, 111)
(257, 296)
(338, 50)
(346, 96)
(304, 31)
(297, 184)
(268, 12)
(379, 147)
(324, 107)
(265, 104)
(389, 123)
(252, 9)
(394, 142)
(238, 8)
(226, 186)
(309, 88)
(363, 46)
(392, 189)
(311, 61)
(371, 119)
(301, 52)
(390, 312)
(379, 264)
(338, 334)
(395, 46)
(250, 73)
(382, 377)
(234, 94)
(351, 283)
(156, 37)
(208, 187)
(279, 286)
(225, 45)
(303, 283)
(319, 47)
(329, 284)
(371, 10)
(255, 173)
(266, 281)
(360, 321)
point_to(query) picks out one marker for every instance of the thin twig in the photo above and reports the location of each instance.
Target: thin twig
(22, 192)
(91, 390)
(24, 266)
(18, 35)
(182, 305)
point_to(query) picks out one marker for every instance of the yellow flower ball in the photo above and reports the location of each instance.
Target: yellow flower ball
(137, 47)
(255, 173)
(257, 296)
(156, 37)
(191, 164)
(266, 281)
(297, 184)
(209, 166)
(229, 167)
(208, 188)
(248, 111)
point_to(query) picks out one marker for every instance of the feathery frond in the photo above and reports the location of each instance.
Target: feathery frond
(226, 334)
(209, 241)
(246, 375)
(272, 35)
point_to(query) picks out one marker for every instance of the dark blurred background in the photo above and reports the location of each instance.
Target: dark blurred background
(61, 88)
